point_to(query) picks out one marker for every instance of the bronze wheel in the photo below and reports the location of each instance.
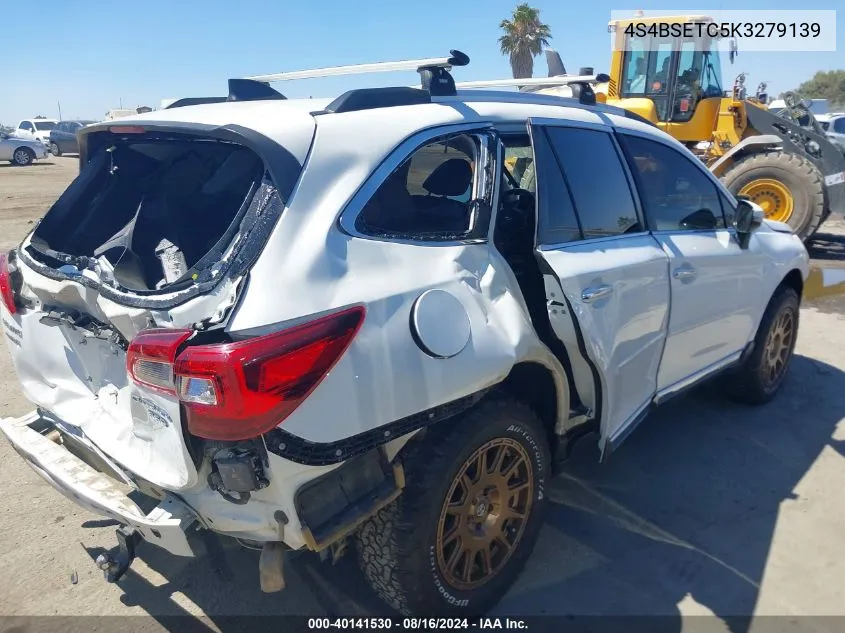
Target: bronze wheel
(758, 379)
(483, 517)
(779, 344)
(469, 516)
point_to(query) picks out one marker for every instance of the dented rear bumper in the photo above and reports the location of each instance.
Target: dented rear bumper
(166, 526)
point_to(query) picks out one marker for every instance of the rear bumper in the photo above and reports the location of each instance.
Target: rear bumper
(166, 526)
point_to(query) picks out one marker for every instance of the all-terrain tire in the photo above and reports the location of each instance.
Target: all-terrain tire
(398, 549)
(797, 173)
(23, 156)
(748, 383)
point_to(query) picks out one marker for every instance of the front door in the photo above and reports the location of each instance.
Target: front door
(715, 283)
(612, 274)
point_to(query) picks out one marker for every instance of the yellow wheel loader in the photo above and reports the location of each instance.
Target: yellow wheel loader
(667, 71)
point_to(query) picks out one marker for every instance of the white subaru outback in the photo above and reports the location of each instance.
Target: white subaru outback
(378, 321)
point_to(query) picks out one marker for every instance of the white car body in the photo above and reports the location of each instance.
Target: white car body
(642, 315)
(35, 129)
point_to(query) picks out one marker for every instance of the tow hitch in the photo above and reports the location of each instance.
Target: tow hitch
(113, 569)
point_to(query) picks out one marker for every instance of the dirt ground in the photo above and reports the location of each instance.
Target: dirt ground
(709, 509)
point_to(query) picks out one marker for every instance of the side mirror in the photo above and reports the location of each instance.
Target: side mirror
(749, 217)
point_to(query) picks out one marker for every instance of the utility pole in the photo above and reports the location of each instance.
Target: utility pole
(59, 103)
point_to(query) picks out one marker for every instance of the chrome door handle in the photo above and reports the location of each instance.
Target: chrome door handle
(684, 273)
(588, 295)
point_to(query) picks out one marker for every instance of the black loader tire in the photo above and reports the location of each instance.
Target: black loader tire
(797, 173)
(747, 384)
(398, 549)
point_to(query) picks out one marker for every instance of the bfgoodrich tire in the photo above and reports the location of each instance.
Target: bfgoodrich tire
(760, 377)
(460, 533)
(788, 186)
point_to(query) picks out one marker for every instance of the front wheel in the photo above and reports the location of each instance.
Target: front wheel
(23, 156)
(54, 149)
(760, 377)
(460, 533)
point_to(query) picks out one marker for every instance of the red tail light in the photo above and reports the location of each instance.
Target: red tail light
(150, 357)
(126, 129)
(240, 390)
(7, 293)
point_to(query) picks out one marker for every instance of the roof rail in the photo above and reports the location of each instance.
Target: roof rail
(581, 84)
(189, 101)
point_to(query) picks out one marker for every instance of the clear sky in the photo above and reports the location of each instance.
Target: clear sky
(89, 55)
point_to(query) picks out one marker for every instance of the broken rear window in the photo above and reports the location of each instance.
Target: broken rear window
(152, 210)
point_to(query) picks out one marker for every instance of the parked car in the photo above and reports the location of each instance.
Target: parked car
(63, 137)
(835, 129)
(345, 326)
(37, 129)
(20, 151)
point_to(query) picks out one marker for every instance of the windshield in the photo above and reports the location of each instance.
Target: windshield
(648, 63)
(44, 125)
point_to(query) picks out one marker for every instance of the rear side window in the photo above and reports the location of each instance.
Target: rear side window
(428, 196)
(556, 221)
(594, 171)
(153, 209)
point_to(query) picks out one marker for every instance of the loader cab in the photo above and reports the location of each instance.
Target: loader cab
(667, 70)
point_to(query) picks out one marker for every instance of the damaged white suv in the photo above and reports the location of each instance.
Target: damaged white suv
(379, 321)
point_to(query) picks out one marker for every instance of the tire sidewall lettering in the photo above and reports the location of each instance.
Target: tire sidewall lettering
(439, 585)
(526, 434)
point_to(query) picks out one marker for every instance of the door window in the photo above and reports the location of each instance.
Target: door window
(596, 177)
(839, 125)
(428, 196)
(676, 194)
(556, 222)
(26, 125)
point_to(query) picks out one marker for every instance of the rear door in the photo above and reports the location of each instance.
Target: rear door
(612, 274)
(716, 285)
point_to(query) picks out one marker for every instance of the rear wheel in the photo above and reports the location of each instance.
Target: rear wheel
(787, 186)
(54, 149)
(23, 156)
(460, 533)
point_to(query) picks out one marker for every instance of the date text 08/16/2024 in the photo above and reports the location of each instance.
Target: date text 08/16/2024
(416, 624)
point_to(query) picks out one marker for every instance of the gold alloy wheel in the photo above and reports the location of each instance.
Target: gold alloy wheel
(485, 513)
(778, 345)
(773, 197)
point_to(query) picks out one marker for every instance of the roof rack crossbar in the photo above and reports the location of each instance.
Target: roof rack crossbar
(456, 58)
(531, 81)
(582, 85)
(434, 72)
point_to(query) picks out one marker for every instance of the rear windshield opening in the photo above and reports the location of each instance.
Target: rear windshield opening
(149, 210)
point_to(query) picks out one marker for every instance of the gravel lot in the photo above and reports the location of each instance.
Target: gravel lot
(710, 508)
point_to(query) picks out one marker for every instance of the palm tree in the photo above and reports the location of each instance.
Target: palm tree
(524, 39)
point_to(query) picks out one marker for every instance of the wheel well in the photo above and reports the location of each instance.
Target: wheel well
(28, 150)
(533, 384)
(795, 281)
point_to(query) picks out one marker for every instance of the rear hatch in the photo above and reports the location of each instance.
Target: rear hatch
(158, 231)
